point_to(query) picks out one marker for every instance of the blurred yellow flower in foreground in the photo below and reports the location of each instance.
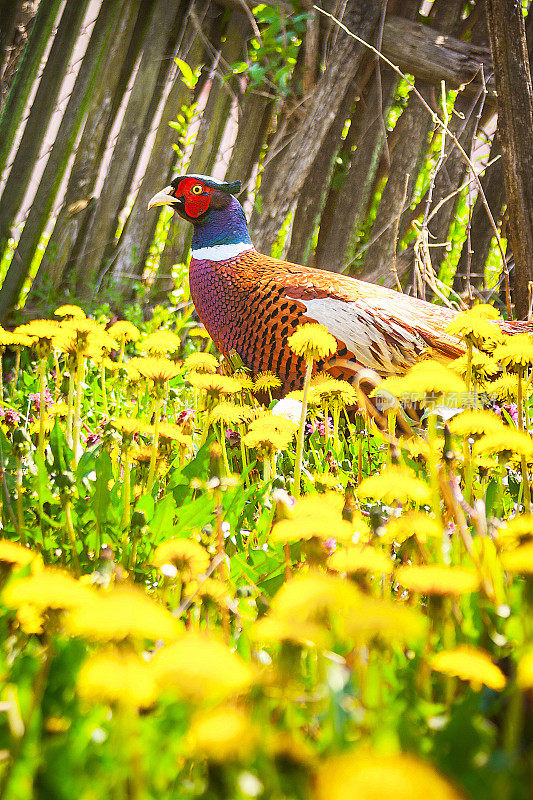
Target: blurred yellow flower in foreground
(477, 423)
(373, 776)
(221, 734)
(360, 559)
(49, 588)
(394, 483)
(425, 378)
(412, 523)
(124, 613)
(520, 559)
(200, 667)
(15, 555)
(524, 672)
(118, 678)
(507, 442)
(469, 664)
(437, 579)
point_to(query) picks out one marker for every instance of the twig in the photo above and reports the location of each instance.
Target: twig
(437, 120)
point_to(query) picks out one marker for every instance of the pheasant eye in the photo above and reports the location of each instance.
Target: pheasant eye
(197, 189)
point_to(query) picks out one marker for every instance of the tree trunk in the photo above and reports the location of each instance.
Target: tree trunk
(254, 122)
(57, 162)
(314, 191)
(319, 111)
(25, 76)
(9, 10)
(205, 149)
(132, 250)
(157, 57)
(515, 130)
(57, 268)
(41, 111)
(471, 265)
(414, 127)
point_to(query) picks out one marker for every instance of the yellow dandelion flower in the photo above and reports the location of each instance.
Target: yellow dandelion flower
(115, 677)
(70, 311)
(129, 425)
(516, 355)
(124, 331)
(482, 366)
(371, 775)
(336, 391)
(413, 523)
(228, 413)
(504, 389)
(477, 423)
(470, 664)
(516, 528)
(201, 362)
(313, 397)
(30, 619)
(507, 442)
(143, 454)
(14, 339)
(209, 591)
(170, 432)
(198, 331)
(266, 381)
(520, 559)
(160, 342)
(200, 668)
(437, 579)
(425, 378)
(187, 556)
(42, 330)
(395, 483)
(214, 384)
(268, 441)
(124, 613)
(221, 734)
(48, 588)
(311, 595)
(320, 516)
(274, 629)
(326, 482)
(15, 555)
(360, 559)
(386, 620)
(328, 525)
(478, 327)
(159, 370)
(312, 341)
(524, 671)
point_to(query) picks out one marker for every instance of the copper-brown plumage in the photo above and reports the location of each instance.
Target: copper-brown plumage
(251, 303)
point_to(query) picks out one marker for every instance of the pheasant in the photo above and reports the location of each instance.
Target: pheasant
(251, 303)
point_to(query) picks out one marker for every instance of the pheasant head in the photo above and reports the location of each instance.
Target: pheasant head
(220, 229)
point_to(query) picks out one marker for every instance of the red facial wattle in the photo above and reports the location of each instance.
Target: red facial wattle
(196, 202)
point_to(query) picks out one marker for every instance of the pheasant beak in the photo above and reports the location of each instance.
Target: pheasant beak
(164, 198)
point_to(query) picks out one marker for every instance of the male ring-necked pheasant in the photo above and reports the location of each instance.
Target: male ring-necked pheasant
(251, 303)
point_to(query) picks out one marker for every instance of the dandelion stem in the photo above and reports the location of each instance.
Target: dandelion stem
(80, 370)
(155, 445)
(17, 369)
(42, 409)
(20, 506)
(525, 476)
(67, 508)
(301, 431)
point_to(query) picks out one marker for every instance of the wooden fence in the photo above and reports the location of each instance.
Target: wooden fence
(343, 166)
